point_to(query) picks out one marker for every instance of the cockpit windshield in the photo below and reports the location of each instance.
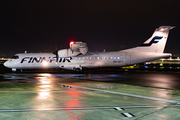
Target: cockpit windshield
(15, 57)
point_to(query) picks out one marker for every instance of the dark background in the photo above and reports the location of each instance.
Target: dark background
(43, 25)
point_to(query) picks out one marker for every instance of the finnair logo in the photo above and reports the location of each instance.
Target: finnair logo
(152, 41)
(41, 59)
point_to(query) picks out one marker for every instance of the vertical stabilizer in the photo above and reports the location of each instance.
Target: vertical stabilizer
(156, 43)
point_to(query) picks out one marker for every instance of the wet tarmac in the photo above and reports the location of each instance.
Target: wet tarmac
(44, 96)
(159, 79)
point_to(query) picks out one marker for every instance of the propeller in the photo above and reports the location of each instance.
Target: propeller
(57, 56)
(56, 52)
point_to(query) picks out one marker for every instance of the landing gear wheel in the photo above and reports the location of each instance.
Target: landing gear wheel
(79, 70)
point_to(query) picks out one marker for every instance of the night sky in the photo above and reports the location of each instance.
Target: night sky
(43, 25)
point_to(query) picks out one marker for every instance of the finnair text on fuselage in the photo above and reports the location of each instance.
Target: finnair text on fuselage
(41, 59)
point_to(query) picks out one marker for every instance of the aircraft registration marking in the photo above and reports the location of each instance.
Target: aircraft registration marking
(118, 61)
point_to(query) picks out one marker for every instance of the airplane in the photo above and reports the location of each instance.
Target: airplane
(78, 58)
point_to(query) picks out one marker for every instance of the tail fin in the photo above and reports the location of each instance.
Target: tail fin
(156, 43)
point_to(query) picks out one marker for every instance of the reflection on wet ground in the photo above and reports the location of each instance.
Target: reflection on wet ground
(151, 79)
(92, 96)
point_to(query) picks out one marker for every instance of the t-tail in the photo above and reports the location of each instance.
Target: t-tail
(156, 43)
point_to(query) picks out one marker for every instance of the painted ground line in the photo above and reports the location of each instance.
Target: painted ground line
(54, 91)
(128, 114)
(132, 95)
(83, 108)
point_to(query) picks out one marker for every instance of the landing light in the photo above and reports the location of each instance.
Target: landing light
(45, 63)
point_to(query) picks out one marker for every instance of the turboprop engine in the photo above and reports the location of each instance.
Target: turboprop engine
(76, 48)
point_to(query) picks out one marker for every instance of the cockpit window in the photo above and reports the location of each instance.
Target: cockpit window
(15, 57)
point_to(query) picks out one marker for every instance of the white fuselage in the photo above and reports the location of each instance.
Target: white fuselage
(92, 60)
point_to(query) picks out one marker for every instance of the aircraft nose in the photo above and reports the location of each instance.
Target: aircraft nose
(6, 64)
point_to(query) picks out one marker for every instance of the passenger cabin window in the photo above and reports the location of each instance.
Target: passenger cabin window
(15, 57)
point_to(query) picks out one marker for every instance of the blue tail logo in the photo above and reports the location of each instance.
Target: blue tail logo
(152, 41)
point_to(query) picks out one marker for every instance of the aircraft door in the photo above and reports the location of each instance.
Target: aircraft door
(128, 58)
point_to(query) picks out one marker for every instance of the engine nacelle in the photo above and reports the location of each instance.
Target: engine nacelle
(79, 47)
(75, 49)
(67, 53)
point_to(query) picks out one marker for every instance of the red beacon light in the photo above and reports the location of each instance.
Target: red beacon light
(71, 42)
(71, 45)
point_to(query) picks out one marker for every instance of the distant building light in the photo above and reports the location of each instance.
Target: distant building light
(4, 58)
